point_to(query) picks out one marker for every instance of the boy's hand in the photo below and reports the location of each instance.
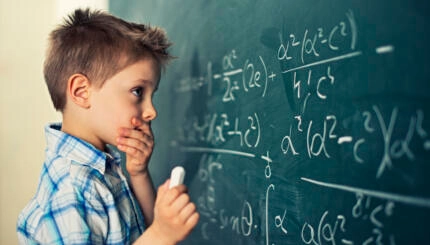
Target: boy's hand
(174, 215)
(138, 144)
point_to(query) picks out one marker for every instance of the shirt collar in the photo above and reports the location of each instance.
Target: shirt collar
(78, 150)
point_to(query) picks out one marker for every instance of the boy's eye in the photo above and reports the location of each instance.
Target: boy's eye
(137, 92)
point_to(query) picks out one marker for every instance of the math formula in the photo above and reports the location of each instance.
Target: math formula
(304, 76)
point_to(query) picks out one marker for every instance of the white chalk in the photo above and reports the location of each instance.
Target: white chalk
(177, 176)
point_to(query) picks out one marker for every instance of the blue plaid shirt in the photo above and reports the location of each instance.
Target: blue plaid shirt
(83, 197)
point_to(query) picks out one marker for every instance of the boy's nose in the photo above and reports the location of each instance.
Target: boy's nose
(149, 112)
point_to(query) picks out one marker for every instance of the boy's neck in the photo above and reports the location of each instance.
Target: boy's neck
(76, 128)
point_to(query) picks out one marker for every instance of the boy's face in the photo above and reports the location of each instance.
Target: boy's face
(125, 101)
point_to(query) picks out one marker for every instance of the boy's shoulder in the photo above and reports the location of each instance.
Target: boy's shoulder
(71, 181)
(72, 168)
(72, 163)
(70, 171)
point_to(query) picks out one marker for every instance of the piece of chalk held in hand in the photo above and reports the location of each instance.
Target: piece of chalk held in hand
(177, 176)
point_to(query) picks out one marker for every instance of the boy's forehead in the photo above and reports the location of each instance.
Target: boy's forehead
(146, 69)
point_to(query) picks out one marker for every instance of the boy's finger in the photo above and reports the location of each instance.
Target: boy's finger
(137, 150)
(135, 153)
(147, 132)
(193, 220)
(136, 134)
(136, 140)
(188, 210)
(142, 145)
(162, 189)
(181, 201)
(131, 133)
(142, 126)
(172, 194)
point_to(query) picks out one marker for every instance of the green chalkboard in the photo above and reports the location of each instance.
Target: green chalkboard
(298, 121)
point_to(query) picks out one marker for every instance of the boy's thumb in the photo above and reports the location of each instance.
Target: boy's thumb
(161, 192)
(164, 187)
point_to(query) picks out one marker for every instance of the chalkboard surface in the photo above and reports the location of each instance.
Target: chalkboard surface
(298, 121)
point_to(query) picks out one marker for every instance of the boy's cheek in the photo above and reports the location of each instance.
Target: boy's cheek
(122, 123)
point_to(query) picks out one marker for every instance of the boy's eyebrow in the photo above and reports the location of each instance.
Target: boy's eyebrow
(141, 80)
(146, 81)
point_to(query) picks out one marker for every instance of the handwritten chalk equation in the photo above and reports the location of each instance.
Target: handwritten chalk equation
(217, 128)
(395, 141)
(310, 44)
(235, 78)
(241, 222)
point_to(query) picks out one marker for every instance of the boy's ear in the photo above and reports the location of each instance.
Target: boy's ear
(78, 88)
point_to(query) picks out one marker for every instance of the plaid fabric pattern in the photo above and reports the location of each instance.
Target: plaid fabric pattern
(83, 197)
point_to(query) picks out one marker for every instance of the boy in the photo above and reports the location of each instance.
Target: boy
(101, 73)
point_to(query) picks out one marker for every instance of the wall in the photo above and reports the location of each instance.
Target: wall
(25, 106)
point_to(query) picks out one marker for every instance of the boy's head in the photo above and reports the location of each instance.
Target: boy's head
(98, 45)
